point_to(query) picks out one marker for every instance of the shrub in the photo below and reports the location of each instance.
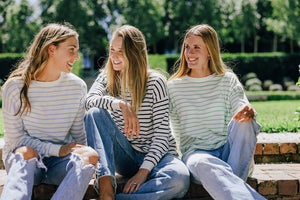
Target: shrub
(275, 87)
(267, 84)
(254, 88)
(293, 88)
(248, 76)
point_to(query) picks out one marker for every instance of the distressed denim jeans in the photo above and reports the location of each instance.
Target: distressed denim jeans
(167, 180)
(67, 172)
(223, 171)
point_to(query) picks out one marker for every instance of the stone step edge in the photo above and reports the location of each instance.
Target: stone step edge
(264, 153)
(267, 188)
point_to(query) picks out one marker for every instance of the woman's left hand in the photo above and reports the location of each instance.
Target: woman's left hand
(246, 114)
(136, 181)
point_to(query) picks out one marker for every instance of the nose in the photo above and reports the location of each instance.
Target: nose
(76, 57)
(114, 55)
(190, 51)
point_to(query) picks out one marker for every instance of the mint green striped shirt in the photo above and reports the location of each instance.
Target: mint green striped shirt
(201, 108)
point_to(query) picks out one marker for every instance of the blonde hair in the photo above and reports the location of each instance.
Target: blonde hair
(210, 38)
(37, 57)
(133, 79)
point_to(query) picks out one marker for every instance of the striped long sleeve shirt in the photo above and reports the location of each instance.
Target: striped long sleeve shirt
(201, 109)
(56, 117)
(155, 137)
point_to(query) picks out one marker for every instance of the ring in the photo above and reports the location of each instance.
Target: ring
(134, 183)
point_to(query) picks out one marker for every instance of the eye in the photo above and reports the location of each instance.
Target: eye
(197, 47)
(186, 47)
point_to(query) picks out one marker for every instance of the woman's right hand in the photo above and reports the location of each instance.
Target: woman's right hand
(68, 148)
(131, 121)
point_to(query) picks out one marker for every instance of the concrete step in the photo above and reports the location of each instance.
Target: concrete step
(274, 181)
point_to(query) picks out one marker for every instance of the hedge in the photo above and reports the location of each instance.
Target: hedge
(272, 66)
(7, 63)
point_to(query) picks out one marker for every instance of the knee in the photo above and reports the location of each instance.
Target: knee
(27, 152)
(181, 181)
(88, 155)
(94, 111)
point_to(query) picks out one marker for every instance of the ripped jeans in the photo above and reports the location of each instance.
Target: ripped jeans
(67, 172)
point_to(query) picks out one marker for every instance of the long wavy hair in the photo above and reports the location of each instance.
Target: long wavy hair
(133, 79)
(210, 38)
(36, 59)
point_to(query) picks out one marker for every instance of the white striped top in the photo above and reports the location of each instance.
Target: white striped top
(155, 137)
(56, 117)
(201, 108)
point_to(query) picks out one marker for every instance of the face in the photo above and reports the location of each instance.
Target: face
(65, 54)
(196, 53)
(116, 54)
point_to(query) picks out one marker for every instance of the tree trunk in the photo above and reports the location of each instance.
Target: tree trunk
(291, 46)
(275, 43)
(242, 44)
(255, 43)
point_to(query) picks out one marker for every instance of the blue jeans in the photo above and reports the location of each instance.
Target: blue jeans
(223, 171)
(169, 179)
(67, 172)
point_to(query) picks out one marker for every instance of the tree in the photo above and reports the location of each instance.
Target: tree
(18, 27)
(85, 16)
(146, 16)
(181, 15)
(246, 23)
(285, 20)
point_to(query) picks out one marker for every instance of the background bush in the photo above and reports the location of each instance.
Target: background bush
(267, 66)
(7, 63)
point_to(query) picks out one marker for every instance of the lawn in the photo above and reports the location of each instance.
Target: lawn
(274, 116)
(277, 116)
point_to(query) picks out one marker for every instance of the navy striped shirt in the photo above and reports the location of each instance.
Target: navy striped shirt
(155, 137)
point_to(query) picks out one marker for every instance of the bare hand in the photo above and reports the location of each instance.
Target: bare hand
(131, 121)
(136, 181)
(246, 114)
(68, 148)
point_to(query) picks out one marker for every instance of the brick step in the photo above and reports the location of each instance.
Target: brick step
(274, 181)
(270, 148)
(264, 153)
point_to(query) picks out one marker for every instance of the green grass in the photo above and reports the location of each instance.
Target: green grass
(1, 124)
(277, 116)
(273, 116)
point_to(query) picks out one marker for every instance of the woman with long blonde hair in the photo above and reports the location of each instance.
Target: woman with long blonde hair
(212, 118)
(128, 125)
(43, 112)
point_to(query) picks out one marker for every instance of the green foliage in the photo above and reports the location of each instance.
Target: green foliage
(267, 66)
(78, 67)
(18, 27)
(85, 16)
(285, 20)
(159, 63)
(7, 63)
(1, 124)
(277, 116)
(272, 95)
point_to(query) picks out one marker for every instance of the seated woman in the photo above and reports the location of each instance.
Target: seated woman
(43, 112)
(128, 125)
(212, 118)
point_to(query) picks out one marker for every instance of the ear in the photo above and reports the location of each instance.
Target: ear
(51, 49)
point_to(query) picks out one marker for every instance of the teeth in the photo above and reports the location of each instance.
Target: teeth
(116, 62)
(192, 59)
(70, 64)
